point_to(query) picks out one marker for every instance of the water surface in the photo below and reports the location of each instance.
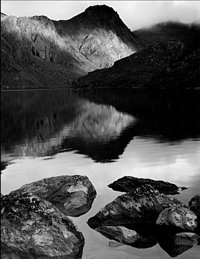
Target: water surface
(104, 135)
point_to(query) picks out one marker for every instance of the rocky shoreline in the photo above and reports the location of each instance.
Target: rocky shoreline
(147, 214)
(35, 221)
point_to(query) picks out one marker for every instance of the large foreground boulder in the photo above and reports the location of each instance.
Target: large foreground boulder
(34, 228)
(177, 219)
(140, 206)
(72, 194)
(128, 183)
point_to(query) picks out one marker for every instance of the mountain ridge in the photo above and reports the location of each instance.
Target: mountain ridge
(96, 49)
(103, 15)
(169, 59)
(64, 50)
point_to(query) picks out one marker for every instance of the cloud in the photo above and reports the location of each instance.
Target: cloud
(135, 14)
(141, 14)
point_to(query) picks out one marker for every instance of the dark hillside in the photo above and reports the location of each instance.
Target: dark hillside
(165, 62)
(164, 32)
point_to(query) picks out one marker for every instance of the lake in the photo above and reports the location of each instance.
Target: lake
(105, 135)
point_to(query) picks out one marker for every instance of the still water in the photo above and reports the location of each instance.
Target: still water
(104, 135)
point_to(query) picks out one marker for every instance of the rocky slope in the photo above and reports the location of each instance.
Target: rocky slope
(39, 52)
(167, 61)
(33, 228)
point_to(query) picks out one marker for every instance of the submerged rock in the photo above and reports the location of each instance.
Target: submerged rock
(73, 195)
(176, 244)
(128, 183)
(140, 206)
(34, 228)
(127, 236)
(168, 244)
(186, 238)
(177, 218)
(112, 243)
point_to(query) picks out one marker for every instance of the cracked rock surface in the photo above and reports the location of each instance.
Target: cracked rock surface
(34, 228)
(71, 194)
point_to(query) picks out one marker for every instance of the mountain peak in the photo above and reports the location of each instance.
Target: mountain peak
(100, 10)
(100, 17)
(97, 16)
(103, 14)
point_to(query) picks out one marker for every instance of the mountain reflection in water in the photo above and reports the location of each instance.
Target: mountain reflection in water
(48, 124)
(36, 124)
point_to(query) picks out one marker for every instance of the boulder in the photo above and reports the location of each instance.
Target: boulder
(194, 205)
(127, 236)
(140, 206)
(34, 228)
(128, 183)
(177, 218)
(73, 194)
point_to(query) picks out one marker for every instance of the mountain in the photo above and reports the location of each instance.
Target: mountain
(37, 52)
(170, 58)
(168, 31)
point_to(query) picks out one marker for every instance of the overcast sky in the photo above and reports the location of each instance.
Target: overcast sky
(135, 14)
